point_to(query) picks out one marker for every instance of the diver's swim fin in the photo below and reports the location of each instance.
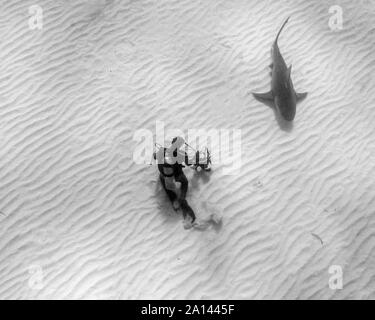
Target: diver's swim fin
(187, 210)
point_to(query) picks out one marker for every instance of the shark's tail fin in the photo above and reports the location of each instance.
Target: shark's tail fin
(281, 29)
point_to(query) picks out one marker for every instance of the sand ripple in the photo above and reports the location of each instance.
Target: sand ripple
(80, 220)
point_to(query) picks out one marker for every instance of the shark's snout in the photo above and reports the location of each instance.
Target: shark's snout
(287, 108)
(288, 115)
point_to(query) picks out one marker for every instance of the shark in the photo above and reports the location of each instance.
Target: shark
(282, 93)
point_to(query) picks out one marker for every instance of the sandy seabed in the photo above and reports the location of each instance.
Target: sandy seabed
(79, 219)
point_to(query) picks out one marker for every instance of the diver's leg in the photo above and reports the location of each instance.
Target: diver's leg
(184, 185)
(171, 195)
(186, 209)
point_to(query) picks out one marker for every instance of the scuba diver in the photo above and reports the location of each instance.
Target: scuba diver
(170, 164)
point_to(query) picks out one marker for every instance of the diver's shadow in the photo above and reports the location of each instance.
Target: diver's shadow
(284, 125)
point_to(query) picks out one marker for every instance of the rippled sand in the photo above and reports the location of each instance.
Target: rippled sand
(81, 220)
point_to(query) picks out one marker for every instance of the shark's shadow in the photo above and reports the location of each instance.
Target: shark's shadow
(284, 125)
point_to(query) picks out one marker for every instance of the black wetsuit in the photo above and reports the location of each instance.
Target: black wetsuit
(175, 170)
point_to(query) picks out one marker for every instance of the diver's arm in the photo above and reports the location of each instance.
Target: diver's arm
(189, 162)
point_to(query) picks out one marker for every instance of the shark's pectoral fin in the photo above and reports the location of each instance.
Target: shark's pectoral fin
(271, 65)
(264, 96)
(301, 96)
(289, 71)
